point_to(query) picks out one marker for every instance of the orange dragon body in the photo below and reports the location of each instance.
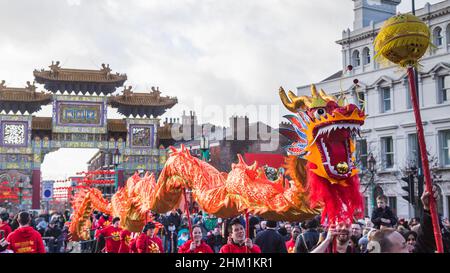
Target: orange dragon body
(320, 164)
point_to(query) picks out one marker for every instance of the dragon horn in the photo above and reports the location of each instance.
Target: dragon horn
(313, 91)
(285, 100)
(326, 97)
(341, 100)
(182, 148)
(293, 103)
(241, 160)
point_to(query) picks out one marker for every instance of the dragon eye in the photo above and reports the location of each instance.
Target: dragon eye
(320, 112)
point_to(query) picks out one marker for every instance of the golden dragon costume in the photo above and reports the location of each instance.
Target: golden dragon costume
(320, 165)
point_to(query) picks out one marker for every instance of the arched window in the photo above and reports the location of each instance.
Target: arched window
(437, 36)
(356, 59)
(366, 55)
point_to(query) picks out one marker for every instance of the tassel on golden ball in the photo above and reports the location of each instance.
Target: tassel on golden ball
(403, 40)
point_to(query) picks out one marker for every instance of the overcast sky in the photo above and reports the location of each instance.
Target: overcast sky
(219, 53)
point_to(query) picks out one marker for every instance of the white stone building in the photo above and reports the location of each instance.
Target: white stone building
(389, 131)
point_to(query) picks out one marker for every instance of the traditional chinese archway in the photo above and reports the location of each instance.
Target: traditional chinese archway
(80, 99)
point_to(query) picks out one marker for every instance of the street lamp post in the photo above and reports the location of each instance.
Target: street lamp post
(20, 186)
(371, 164)
(116, 163)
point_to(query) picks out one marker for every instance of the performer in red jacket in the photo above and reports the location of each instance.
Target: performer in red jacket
(238, 242)
(112, 236)
(125, 237)
(196, 245)
(132, 246)
(102, 223)
(25, 239)
(148, 242)
(4, 224)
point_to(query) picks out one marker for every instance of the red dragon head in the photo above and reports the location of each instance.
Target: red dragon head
(323, 132)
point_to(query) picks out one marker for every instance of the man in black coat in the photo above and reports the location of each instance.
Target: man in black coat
(308, 240)
(270, 241)
(425, 236)
(383, 215)
(174, 218)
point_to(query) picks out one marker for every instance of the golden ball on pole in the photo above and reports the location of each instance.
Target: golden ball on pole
(403, 39)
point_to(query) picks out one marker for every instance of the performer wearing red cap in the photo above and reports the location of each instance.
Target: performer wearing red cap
(196, 245)
(148, 242)
(112, 236)
(239, 244)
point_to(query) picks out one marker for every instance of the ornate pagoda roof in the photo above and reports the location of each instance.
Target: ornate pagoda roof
(22, 99)
(142, 104)
(83, 81)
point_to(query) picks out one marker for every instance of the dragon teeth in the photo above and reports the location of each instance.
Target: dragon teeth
(330, 128)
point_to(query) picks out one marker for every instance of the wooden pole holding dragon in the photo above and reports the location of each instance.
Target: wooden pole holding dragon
(187, 209)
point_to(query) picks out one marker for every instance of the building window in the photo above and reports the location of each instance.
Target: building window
(448, 204)
(361, 153)
(360, 99)
(412, 148)
(408, 97)
(387, 152)
(366, 55)
(356, 58)
(392, 203)
(437, 36)
(444, 147)
(443, 88)
(385, 99)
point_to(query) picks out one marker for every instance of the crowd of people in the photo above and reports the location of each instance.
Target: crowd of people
(170, 233)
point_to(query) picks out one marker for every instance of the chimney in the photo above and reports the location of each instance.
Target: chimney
(367, 11)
